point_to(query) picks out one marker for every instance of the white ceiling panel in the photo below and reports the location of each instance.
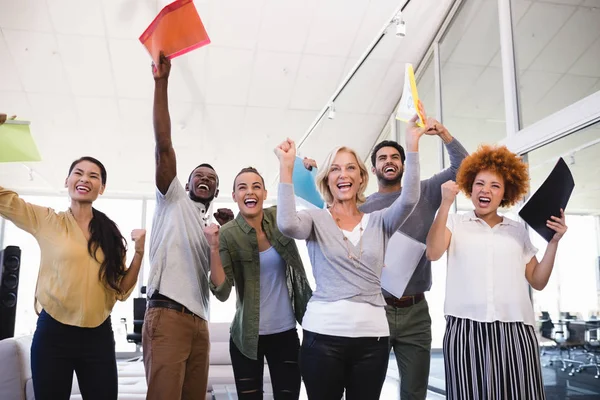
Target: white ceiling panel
(127, 19)
(273, 78)
(29, 15)
(187, 82)
(77, 17)
(483, 96)
(8, 71)
(589, 63)
(99, 127)
(537, 28)
(285, 25)
(334, 27)
(318, 77)
(16, 103)
(481, 40)
(360, 93)
(570, 43)
(534, 85)
(87, 64)
(230, 71)
(36, 58)
(377, 15)
(132, 69)
(236, 25)
(391, 85)
(568, 89)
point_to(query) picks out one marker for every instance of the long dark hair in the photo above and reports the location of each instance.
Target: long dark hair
(105, 234)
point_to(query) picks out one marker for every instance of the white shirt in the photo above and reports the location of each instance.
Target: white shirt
(346, 318)
(486, 279)
(179, 251)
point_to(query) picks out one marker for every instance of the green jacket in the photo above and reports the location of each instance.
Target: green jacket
(240, 257)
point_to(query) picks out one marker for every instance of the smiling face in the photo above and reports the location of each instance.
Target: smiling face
(84, 182)
(344, 179)
(487, 192)
(203, 185)
(388, 165)
(249, 194)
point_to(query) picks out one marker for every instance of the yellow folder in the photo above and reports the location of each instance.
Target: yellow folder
(16, 142)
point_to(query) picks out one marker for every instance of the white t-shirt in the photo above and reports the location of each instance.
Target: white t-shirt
(486, 279)
(179, 251)
(344, 317)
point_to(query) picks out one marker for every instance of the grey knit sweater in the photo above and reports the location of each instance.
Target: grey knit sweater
(337, 276)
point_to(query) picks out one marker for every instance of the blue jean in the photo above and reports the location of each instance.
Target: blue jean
(58, 350)
(330, 364)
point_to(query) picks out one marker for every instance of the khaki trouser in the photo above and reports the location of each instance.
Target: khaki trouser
(176, 350)
(410, 337)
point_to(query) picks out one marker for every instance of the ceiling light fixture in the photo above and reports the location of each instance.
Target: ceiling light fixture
(331, 114)
(400, 25)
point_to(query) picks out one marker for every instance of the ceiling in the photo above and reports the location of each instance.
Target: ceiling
(77, 71)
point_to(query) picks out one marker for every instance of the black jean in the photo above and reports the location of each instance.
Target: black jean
(330, 364)
(58, 350)
(281, 351)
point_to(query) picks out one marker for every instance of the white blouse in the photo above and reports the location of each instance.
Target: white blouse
(486, 280)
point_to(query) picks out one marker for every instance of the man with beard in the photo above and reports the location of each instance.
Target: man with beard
(175, 335)
(408, 316)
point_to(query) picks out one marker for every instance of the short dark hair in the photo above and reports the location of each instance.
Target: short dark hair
(248, 169)
(387, 143)
(207, 166)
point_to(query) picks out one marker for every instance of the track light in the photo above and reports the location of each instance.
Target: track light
(400, 25)
(331, 114)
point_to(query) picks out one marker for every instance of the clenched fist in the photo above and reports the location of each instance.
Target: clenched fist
(449, 191)
(139, 238)
(211, 233)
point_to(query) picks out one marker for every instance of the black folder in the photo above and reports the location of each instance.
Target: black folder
(553, 195)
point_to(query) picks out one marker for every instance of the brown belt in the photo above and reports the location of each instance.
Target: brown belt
(405, 301)
(160, 301)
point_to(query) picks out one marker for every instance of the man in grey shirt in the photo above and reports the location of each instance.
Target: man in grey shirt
(183, 248)
(408, 317)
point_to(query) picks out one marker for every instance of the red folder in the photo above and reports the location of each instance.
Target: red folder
(176, 30)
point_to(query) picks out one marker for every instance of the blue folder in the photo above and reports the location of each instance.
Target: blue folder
(305, 185)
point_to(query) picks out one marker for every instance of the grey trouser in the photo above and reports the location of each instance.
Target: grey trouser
(410, 337)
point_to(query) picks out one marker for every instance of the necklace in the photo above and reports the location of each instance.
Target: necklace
(351, 254)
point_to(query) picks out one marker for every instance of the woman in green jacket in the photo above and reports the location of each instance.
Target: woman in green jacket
(272, 293)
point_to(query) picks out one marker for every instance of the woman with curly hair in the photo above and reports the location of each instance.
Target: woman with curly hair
(490, 346)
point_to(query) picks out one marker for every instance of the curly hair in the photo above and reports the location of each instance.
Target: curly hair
(500, 160)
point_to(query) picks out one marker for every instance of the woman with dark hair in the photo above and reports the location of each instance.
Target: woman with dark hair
(272, 292)
(82, 274)
(490, 345)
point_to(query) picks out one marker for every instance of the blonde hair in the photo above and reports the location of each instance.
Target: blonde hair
(323, 176)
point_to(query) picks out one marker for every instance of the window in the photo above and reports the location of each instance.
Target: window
(471, 75)
(557, 48)
(574, 285)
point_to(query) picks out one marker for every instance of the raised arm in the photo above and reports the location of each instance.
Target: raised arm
(538, 272)
(24, 215)
(439, 235)
(399, 211)
(131, 276)
(166, 167)
(297, 225)
(457, 153)
(221, 270)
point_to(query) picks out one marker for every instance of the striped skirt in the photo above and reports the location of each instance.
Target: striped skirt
(491, 361)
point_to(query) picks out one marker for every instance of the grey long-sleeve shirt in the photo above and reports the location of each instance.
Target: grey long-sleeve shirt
(337, 276)
(419, 222)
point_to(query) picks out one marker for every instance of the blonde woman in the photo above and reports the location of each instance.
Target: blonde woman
(345, 340)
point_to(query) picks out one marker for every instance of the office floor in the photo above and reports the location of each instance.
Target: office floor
(558, 384)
